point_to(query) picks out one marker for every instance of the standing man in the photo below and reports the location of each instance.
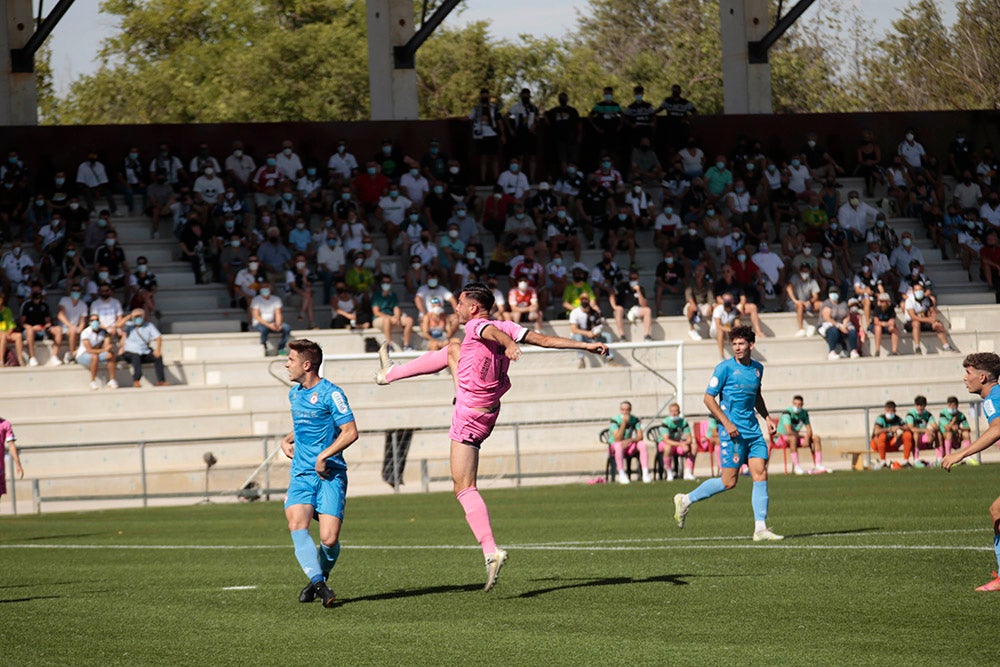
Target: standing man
(732, 396)
(7, 441)
(323, 427)
(981, 371)
(479, 365)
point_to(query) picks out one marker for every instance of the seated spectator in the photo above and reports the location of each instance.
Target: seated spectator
(921, 423)
(267, 183)
(160, 199)
(989, 263)
(836, 326)
(144, 286)
(391, 212)
(266, 317)
(772, 269)
(574, 292)
(670, 279)
(625, 435)
(500, 311)
(436, 327)
(699, 300)
(920, 314)
(359, 278)
(814, 219)
(18, 267)
(346, 307)
(196, 248)
(414, 185)
(274, 255)
(884, 320)
(232, 258)
(854, 216)
(521, 225)
(415, 276)
(143, 345)
(955, 429)
(50, 243)
(297, 282)
(725, 317)
(109, 311)
(9, 333)
(606, 275)
(799, 178)
(747, 275)
(330, 261)
(888, 434)
(72, 318)
(523, 303)
(793, 242)
(666, 227)
(387, 313)
(95, 347)
(451, 249)
(36, 323)
(557, 276)
(562, 234)
(794, 431)
(587, 326)
(970, 241)
(629, 301)
(677, 442)
(803, 297)
(728, 284)
(426, 251)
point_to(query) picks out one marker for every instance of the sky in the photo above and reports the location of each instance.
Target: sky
(78, 37)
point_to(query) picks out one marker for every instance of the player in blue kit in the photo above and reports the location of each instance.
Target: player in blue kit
(981, 372)
(732, 396)
(322, 428)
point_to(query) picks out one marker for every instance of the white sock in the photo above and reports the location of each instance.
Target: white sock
(759, 526)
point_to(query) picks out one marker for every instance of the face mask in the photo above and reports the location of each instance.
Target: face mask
(253, 266)
(102, 222)
(523, 285)
(300, 225)
(414, 217)
(386, 287)
(692, 232)
(366, 246)
(890, 415)
(608, 97)
(918, 294)
(341, 148)
(452, 170)
(742, 257)
(834, 226)
(570, 170)
(310, 171)
(438, 189)
(138, 321)
(387, 150)
(804, 276)
(866, 269)
(907, 243)
(606, 164)
(331, 243)
(432, 282)
(75, 295)
(796, 163)
(102, 276)
(557, 261)
(265, 291)
(637, 189)
(434, 150)
(720, 165)
(371, 171)
(287, 196)
(909, 137)
(300, 265)
(471, 256)
(415, 266)
(74, 206)
(287, 152)
(834, 297)
(109, 242)
(772, 168)
(807, 251)
(453, 233)
(880, 223)
(95, 325)
(740, 190)
(234, 243)
(514, 168)
(561, 214)
(209, 172)
(271, 162)
(710, 212)
(238, 153)
(623, 216)
(828, 255)
(393, 193)
(811, 143)
(519, 216)
(633, 283)
(143, 268)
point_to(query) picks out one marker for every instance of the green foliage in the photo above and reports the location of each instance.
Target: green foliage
(597, 574)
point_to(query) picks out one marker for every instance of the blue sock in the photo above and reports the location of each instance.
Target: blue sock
(707, 489)
(996, 547)
(758, 499)
(305, 553)
(328, 557)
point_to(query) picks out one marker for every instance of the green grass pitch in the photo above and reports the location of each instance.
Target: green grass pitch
(876, 569)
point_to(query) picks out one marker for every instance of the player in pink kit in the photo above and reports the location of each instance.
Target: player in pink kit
(7, 441)
(479, 365)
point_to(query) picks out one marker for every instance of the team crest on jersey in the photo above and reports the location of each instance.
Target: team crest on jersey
(314, 398)
(736, 458)
(714, 382)
(757, 373)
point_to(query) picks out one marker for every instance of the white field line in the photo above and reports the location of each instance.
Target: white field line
(637, 544)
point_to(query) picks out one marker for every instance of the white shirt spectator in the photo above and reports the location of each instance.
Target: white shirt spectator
(724, 317)
(199, 163)
(856, 218)
(880, 263)
(351, 235)
(267, 307)
(990, 214)
(91, 174)
(308, 185)
(243, 166)
(172, 164)
(394, 210)
(107, 310)
(247, 282)
(289, 164)
(95, 338)
(667, 224)
(140, 338)
(738, 202)
(515, 185)
(415, 187)
(582, 319)
(900, 258)
(330, 259)
(425, 293)
(770, 265)
(968, 196)
(985, 172)
(50, 235)
(639, 202)
(912, 153)
(917, 306)
(210, 188)
(74, 312)
(342, 164)
(692, 164)
(797, 177)
(427, 253)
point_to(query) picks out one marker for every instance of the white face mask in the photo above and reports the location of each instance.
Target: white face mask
(523, 286)
(804, 276)
(633, 283)
(807, 251)
(890, 415)
(432, 282)
(453, 233)
(834, 297)
(253, 266)
(300, 265)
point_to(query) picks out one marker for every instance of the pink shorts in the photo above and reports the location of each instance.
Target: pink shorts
(667, 449)
(470, 426)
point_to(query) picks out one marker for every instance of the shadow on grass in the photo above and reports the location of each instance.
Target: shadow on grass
(675, 579)
(31, 599)
(51, 537)
(824, 533)
(411, 593)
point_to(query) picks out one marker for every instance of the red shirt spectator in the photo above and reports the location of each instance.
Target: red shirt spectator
(745, 273)
(370, 188)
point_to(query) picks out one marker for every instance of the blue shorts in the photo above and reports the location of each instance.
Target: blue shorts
(734, 455)
(326, 495)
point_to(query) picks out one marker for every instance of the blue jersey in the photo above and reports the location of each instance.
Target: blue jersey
(736, 387)
(317, 415)
(991, 404)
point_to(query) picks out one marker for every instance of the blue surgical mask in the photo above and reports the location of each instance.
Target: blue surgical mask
(138, 320)
(95, 325)
(75, 295)
(265, 291)
(271, 162)
(795, 163)
(372, 170)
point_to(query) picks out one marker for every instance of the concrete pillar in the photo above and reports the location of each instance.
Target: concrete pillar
(393, 91)
(18, 92)
(746, 88)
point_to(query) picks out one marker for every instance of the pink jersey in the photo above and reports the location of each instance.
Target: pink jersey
(482, 366)
(6, 433)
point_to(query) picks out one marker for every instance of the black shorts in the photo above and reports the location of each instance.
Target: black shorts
(924, 326)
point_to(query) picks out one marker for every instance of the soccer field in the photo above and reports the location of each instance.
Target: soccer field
(876, 569)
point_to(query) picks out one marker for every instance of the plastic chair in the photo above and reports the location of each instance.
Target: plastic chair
(654, 434)
(779, 443)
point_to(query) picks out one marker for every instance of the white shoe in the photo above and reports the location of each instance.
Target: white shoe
(646, 477)
(810, 330)
(94, 385)
(32, 361)
(801, 333)
(820, 470)
(384, 364)
(854, 354)
(112, 383)
(54, 361)
(947, 347)
(670, 474)
(833, 356)
(842, 354)
(689, 476)
(623, 477)
(493, 565)
(878, 465)
(798, 471)
(681, 508)
(767, 535)
(918, 349)
(67, 358)
(694, 334)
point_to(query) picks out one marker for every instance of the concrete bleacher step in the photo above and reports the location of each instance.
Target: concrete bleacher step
(122, 427)
(124, 401)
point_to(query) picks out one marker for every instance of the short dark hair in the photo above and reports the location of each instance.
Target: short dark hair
(798, 397)
(951, 399)
(481, 293)
(987, 362)
(920, 400)
(308, 351)
(890, 404)
(744, 332)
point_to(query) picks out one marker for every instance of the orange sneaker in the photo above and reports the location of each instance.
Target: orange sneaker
(991, 585)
